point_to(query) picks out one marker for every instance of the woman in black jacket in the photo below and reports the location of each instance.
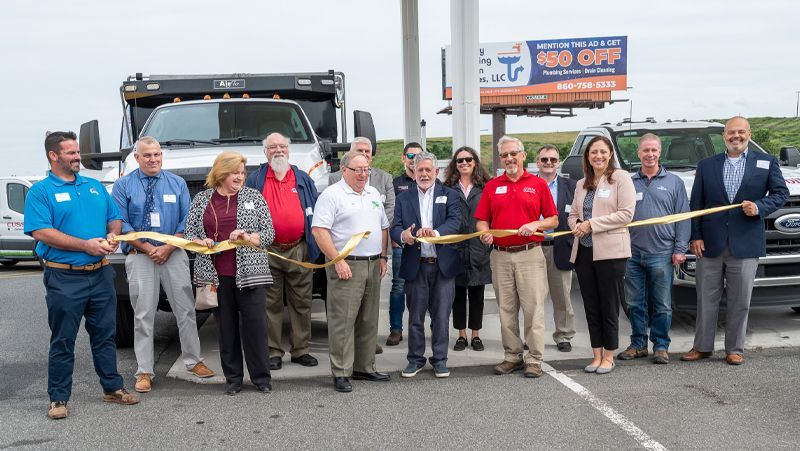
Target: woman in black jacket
(466, 175)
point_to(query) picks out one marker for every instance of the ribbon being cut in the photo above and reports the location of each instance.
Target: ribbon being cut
(355, 239)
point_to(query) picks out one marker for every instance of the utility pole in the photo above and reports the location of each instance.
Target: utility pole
(797, 108)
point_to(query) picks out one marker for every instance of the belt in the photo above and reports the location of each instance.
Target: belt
(358, 258)
(428, 259)
(92, 267)
(547, 243)
(287, 246)
(512, 249)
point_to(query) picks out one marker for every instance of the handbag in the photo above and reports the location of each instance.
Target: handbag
(205, 296)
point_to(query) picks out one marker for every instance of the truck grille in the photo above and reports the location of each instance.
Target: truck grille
(780, 243)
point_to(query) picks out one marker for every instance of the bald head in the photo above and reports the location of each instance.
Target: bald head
(736, 135)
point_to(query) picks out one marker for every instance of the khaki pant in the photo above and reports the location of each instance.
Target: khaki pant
(353, 317)
(559, 283)
(520, 280)
(295, 283)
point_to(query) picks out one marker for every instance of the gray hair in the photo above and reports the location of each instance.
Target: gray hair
(348, 156)
(650, 137)
(264, 141)
(423, 156)
(546, 147)
(362, 140)
(147, 140)
(510, 139)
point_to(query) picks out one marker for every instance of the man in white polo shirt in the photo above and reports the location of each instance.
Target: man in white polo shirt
(345, 208)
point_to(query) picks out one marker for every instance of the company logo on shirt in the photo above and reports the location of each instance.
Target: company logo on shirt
(94, 191)
(528, 189)
(662, 188)
(376, 204)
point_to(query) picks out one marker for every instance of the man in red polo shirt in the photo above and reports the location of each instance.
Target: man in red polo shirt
(516, 200)
(290, 194)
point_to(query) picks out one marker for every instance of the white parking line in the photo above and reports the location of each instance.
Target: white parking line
(625, 424)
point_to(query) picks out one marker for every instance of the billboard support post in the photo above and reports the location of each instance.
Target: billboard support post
(466, 91)
(498, 131)
(411, 90)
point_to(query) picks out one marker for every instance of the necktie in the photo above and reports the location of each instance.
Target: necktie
(149, 200)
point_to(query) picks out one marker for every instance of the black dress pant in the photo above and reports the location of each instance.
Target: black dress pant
(242, 324)
(603, 291)
(475, 295)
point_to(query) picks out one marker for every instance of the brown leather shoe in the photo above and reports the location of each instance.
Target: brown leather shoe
(201, 370)
(121, 396)
(394, 338)
(58, 410)
(533, 370)
(632, 353)
(734, 359)
(694, 355)
(661, 357)
(144, 383)
(506, 367)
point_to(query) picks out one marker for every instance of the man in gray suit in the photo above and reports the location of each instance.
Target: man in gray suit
(378, 179)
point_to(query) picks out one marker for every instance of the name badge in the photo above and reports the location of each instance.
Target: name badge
(441, 200)
(309, 211)
(62, 197)
(155, 219)
(170, 198)
(762, 164)
(249, 205)
(603, 193)
(639, 196)
(501, 190)
(568, 208)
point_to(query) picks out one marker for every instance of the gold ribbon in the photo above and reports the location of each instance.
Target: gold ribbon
(226, 245)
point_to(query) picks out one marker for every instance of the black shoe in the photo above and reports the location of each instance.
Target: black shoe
(275, 363)
(342, 384)
(233, 389)
(477, 344)
(461, 344)
(372, 377)
(305, 360)
(264, 388)
(564, 346)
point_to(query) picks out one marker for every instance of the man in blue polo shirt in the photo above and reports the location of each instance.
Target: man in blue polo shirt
(150, 199)
(75, 221)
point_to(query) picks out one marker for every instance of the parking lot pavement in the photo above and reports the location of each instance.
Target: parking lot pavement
(767, 328)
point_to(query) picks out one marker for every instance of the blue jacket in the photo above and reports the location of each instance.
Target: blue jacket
(446, 221)
(308, 199)
(562, 246)
(744, 235)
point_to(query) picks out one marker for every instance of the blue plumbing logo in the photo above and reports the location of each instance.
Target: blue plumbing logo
(510, 59)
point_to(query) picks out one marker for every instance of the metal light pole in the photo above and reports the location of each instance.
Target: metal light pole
(797, 108)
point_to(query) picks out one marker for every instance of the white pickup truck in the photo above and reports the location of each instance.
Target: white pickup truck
(683, 145)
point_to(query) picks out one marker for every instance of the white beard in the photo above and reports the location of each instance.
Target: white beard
(279, 164)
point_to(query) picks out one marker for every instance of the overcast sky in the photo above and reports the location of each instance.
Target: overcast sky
(63, 62)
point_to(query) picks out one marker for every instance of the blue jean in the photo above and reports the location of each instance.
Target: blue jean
(71, 295)
(397, 297)
(649, 276)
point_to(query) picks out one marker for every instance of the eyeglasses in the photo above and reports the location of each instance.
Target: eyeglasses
(411, 156)
(510, 154)
(551, 160)
(277, 146)
(360, 171)
(464, 160)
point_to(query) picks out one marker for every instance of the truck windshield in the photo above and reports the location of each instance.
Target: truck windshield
(228, 122)
(680, 148)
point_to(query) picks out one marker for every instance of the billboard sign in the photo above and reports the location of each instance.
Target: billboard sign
(550, 66)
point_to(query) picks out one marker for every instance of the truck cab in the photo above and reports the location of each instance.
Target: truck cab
(15, 246)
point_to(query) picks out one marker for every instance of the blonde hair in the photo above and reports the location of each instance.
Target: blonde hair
(225, 164)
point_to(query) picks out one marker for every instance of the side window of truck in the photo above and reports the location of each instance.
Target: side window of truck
(580, 144)
(15, 193)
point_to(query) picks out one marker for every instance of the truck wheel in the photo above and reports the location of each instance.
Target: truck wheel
(124, 336)
(796, 309)
(9, 263)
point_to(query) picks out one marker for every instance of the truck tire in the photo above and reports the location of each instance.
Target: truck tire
(124, 336)
(9, 263)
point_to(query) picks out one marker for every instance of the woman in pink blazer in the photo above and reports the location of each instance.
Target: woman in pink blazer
(603, 205)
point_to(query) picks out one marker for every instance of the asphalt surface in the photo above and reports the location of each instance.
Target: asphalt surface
(702, 405)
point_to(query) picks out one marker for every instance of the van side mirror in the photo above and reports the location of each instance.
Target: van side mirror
(363, 126)
(790, 156)
(89, 142)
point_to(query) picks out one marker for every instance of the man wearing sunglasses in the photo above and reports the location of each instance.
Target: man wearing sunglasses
(557, 251)
(397, 297)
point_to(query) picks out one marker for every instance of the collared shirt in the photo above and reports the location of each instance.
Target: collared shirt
(426, 217)
(288, 216)
(554, 192)
(170, 203)
(345, 212)
(81, 208)
(506, 204)
(663, 194)
(465, 189)
(732, 174)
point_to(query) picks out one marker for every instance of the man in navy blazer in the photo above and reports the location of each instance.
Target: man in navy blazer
(728, 244)
(428, 209)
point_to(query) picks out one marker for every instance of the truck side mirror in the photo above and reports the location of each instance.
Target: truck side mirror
(363, 126)
(790, 156)
(89, 141)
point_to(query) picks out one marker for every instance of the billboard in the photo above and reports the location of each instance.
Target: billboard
(552, 66)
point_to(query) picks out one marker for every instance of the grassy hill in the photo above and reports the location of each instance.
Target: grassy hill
(772, 133)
